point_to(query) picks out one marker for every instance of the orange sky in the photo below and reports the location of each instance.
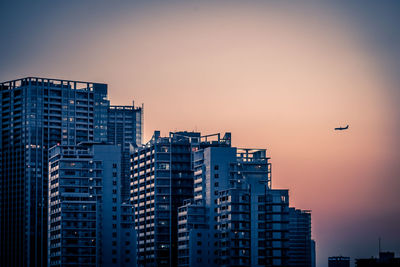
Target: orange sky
(279, 77)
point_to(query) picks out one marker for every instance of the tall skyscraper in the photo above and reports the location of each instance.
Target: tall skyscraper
(88, 226)
(300, 242)
(197, 227)
(36, 114)
(162, 178)
(125, 128)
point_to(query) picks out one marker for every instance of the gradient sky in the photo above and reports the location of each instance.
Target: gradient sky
(277, 74)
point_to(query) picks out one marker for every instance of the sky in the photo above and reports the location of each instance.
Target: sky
(279, 75)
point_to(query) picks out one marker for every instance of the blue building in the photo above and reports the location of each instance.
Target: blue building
(235, 218)
(38, 113)
(125, 128)
(88, 226)
(161, 179)
(301, 245)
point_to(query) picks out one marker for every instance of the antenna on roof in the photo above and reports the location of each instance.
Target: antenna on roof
(379, 241)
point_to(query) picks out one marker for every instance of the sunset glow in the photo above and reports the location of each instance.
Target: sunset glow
(278, 76)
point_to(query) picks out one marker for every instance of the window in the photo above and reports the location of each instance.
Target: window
(216, 175)
(216, 184)
(114, 165)
(216, 167)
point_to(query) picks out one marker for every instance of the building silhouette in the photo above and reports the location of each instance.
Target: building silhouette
(339, 261)
(386, 259)
(88, 226)
(196, 235)
(36, 114)
(125, 128)
(235, 217)
(79, 187)
(301, 247)
(162, 178)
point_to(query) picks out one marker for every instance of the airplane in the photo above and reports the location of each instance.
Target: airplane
(342, 128)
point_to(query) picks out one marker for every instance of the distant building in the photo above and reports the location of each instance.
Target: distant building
(386, 259)
(88, 226)
(36, 114)
(313, 256)
(339, 261)
(125, 128)
(300, 242)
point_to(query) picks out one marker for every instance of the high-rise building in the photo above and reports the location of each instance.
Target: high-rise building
(87, 224)
(162, 178)
(125, 128)
(244, 221)
(300, 242)
(36, 114)
(339, 261)
(196, 235)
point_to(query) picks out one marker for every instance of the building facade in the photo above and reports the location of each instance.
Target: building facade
(161, 179)
(87, 224)
(193, 232)
(300, 242)
(38, 113)
(244, 221)
(125, 128)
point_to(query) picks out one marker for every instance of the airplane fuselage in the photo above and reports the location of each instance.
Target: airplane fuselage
(342, 128)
